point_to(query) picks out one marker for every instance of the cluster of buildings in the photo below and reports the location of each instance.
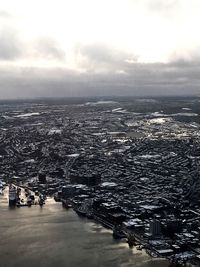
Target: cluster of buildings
(133, 170)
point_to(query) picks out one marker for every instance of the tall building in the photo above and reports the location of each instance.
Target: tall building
(155, 229)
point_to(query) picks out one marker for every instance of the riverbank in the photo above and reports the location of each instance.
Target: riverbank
(51, 236)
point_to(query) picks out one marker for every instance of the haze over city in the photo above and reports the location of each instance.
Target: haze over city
(98, 48)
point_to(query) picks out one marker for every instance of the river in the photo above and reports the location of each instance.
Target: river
(54, 237)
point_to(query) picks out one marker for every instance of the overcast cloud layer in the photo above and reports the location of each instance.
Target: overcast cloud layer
(91, 47)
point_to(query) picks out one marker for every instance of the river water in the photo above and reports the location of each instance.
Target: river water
(54, 237)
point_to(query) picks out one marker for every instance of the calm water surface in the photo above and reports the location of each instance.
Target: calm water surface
(53, 237)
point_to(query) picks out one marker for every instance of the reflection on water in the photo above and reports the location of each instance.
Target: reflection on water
(51, 236)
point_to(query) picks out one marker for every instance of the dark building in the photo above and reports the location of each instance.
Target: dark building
(69, 191)
(89, 180)
(155, 229)
(42, 178)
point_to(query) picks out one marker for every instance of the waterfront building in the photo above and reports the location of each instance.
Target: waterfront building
(155, 229)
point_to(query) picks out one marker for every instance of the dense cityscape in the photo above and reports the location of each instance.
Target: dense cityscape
(130, 164)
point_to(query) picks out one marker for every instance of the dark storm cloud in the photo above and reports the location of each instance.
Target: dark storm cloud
(22, 82)
(141, 80)
(10, 46)
(123, 76)
(47, 47)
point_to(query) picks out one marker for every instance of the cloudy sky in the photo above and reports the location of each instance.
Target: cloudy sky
(99, 47)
